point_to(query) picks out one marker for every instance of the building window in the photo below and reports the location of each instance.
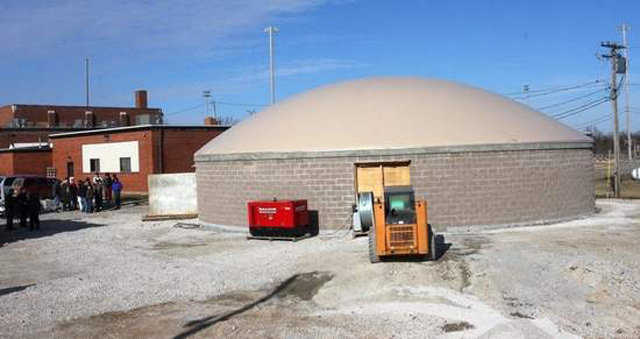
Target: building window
(143, 119)
(51, 172)
(94, 165)
(125, 165)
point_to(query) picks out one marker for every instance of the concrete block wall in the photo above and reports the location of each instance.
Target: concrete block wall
(462, 189)
(172, 194)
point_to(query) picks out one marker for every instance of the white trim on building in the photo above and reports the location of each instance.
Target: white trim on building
(110, 155)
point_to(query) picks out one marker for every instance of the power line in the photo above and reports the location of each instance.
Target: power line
(238, 104)
(571, 100)
(560, 90)
(217, 102)
(580, 109)
(184, 110)
(586, 106)
(595, 121)
(557, 89)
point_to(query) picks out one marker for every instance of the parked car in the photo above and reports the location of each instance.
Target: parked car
(1, 195)
(32, 183)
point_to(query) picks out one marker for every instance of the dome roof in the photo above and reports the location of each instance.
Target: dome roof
(390, 113)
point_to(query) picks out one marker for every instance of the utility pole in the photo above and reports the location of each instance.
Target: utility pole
(86, 83)
(271, 31)
(624, 28)
(613, 96)
(206, 95)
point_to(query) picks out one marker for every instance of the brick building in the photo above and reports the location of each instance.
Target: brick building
(34, 123)
(25, 160)
(130, 152)
(476, 157)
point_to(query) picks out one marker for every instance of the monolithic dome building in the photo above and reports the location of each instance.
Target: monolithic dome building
(476, 157)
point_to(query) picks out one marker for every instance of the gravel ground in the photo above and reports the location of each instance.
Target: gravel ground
(111, 275)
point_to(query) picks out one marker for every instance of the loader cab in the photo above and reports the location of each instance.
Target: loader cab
(399, 205)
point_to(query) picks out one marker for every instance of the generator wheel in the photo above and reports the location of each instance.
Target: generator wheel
(373, 257)
(433, 254)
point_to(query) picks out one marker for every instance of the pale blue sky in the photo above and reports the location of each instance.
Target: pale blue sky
(176, 49)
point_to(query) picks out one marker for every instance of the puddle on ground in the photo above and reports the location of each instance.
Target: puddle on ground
(458, 326)
(235, 298)
(305, 285)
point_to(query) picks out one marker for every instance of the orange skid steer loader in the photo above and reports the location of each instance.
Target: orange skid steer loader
(399, 225)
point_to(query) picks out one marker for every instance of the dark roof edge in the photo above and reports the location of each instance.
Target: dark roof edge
(37, 129)
(132, 128)
(83, 107)
(25, 149)
(397, 151)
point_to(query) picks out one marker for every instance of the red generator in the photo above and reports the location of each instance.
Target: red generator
(278, 217)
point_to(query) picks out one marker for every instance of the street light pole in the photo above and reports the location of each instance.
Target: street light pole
(271, 30)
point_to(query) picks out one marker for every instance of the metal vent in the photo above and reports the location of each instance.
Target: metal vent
(401, 236)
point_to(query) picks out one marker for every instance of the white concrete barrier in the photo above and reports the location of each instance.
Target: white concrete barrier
(172, 194)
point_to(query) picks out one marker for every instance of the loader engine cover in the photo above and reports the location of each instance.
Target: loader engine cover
(278, 217)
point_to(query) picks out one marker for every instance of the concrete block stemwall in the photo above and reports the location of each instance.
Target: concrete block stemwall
(462, 189)
(172, 194)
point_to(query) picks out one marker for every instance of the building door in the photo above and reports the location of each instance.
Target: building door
(70, 169)
(374, 177)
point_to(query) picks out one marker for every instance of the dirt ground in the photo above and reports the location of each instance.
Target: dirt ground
(112, 276)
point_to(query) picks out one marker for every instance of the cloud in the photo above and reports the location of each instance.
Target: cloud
(125, 26)
(299, 67)
(250, 79)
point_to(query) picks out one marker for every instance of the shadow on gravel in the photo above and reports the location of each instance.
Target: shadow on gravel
(303, 286)
(441, 248)
(10, 290)
(47, 228)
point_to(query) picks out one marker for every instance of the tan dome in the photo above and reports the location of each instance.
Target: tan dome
(390, 113)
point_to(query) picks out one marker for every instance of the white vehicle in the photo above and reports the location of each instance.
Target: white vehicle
(32, 183)
(1, 195)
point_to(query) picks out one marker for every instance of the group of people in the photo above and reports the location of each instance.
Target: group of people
(18, 202)
(89, 195)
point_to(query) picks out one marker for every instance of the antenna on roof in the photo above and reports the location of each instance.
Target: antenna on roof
(86, 70)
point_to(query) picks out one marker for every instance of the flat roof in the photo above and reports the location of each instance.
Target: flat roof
(38, 129)
(135, 128)
(26, 149)
(82, 107)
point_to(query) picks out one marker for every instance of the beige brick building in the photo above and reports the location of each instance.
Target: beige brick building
(479, 159)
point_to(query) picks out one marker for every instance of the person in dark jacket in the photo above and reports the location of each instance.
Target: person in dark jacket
(33, 208)
(64, 187)
(116, 187)
(22, 206)
(98, 187)
(82, 196)
(107, 188)
(10, 207)
(73, 193)
(89, 195)
(57, 195)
